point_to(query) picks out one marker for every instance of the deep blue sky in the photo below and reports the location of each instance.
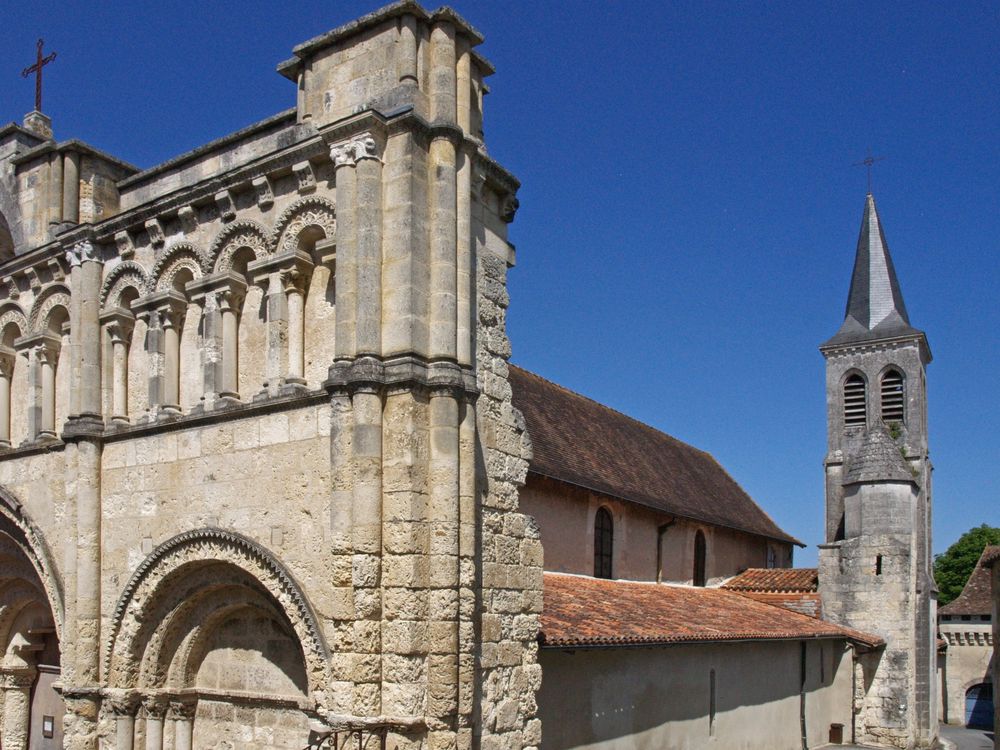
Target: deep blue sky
(689, 210)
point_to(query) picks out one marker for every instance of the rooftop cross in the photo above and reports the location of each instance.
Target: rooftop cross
(869, 161)
(40, 62)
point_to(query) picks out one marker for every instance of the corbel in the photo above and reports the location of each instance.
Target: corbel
(306, 176)
(188, 218)
(224, 202)
(265, 192)
(124, 244)
(154, 228)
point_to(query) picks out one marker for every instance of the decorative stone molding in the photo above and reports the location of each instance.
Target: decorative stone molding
(180, 256)
(265, 192)
(123, 241)
(188, 218)
(11, 314)
(358, 148)
(163, 307)
(56, 270)
(143, 590)
(154, 228)
(18, 527)
(305, 212)
(56, 295)
(119, 323)
(224, 202)
(244, 233)
(306, 177)
(119, 278)
(182, 710)
(227, 287)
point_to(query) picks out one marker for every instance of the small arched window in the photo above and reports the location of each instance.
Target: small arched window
(604, 534)
(855, 401)
(893, 401)
(699, 559)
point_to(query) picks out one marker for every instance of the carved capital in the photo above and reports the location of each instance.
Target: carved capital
(227, 288)
(154, 706)
(293, 281)
(17, 678)
(265, 192)
(182, 710)
(122, 704)
(353, 151)
(161, 309)
(119, 323)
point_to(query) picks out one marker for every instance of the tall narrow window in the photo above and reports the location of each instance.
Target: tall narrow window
(699, 559)
(711, 703)
(604, 534)
(892, 396)
(855, 401)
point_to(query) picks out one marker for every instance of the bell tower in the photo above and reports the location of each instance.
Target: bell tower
(875, 572)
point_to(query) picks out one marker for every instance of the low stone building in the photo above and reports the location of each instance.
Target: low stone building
(992, 561)
(966, 669)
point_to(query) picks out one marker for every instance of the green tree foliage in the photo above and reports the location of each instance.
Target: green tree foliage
(953, 568)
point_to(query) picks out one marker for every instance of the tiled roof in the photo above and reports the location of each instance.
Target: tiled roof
(803, 602)
(580, 611)
(991, 555)
(581, 442)
(775, 579)
(975, 597)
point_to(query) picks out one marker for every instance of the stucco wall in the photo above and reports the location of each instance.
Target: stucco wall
(565, 516)
(660, 697)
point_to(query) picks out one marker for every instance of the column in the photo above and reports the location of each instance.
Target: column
(163, 313)
(119, 324)
(230, 300)
(87, 333)
(346, 187)
(71, 187)
(16, 683)
(7, 359)
(368, 234)
(154, 709)
(171, 321)
(293, 283)
(47, 354)
(181, 713)
(123, 711)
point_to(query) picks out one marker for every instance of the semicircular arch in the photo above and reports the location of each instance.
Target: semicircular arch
(182, 256)
(51, 297)
(236, 236)
(128, 636)
(126, 274)
(12, 314)
(311, 211)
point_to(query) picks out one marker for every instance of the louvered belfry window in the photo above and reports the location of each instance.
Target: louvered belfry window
(855, 401)
(604, 535)
(892, 396)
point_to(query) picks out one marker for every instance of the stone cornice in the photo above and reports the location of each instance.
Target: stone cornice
(371, 373)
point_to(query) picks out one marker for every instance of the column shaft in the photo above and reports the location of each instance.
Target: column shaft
(183, 734)
(48, 375)
(154, 732)
(443, 247)
(88, 336)
(171, 323)
(230, 349)
(347, 298)
(442, 78)
(119, 394)
(88, 562)
(296, 332)
(124, 732)
(368, 231)
(7, 362)
(71, 187)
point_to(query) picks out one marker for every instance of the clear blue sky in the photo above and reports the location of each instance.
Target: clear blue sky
(689, 211)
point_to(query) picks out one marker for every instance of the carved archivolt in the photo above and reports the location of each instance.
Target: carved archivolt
(53, 296)
(20, 537)
(143, 623)
(181, 256)
(11, 313)
(121, 277)
(241, 234)
(313, 211)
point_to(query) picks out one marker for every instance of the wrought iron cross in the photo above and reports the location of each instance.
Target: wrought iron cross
(869, 161)
(40, 62)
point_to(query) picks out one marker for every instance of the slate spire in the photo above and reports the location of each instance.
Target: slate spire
(875, 306)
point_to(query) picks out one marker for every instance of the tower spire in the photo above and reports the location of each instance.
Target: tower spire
(875, 307)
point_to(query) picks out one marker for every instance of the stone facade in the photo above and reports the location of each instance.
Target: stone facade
(874, 572)
(261, 466)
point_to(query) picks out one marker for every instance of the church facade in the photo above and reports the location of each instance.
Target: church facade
(260, 463)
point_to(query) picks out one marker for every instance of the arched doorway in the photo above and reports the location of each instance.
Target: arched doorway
(979, 706)
(30, 665)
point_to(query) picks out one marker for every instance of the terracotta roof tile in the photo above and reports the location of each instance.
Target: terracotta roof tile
(975, 597)
(803, 602)
(582, 442)
(775, 579)
(580, 611)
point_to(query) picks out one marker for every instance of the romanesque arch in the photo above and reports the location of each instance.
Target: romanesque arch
(177, 599)
(180, 262)
(126, 275)
(245, 235)
(310, 213)
(52, 298)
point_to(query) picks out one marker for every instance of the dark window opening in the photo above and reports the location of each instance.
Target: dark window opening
(855, 401)
(699, 559)
(892, 397)
(840, 534)
(878, 565)
(603, 543)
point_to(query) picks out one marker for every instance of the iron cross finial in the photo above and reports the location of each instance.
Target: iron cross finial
(869, 162)
(40, 62)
